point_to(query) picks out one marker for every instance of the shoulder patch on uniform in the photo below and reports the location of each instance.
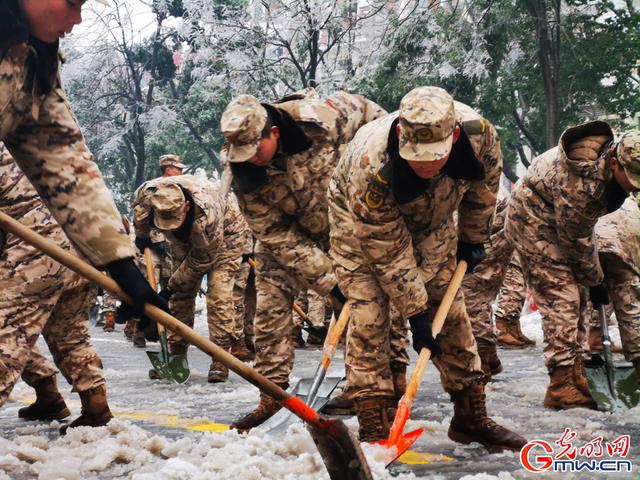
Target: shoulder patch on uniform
(378, 188)
(475, 127)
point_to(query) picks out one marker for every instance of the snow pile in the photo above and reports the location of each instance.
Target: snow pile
(124, 449)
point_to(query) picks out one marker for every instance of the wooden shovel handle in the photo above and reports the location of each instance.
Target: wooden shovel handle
(74, 263)
(438, 322)
(333, 336)
(151, 276)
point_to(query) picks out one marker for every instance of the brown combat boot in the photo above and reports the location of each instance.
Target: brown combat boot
(109, 321)
(95, 410)
(374, 418)
(490, 362)
(129, 328)
(339, 405)
(470, 423)
(580, 376)
(595, 341)
(507, 337)
(240, 350)
(266, 409)
(315, 341)
(138, 338)
(399, 377)
(49, 404)
(296, 336)
(218, 373)
(636, 364)
(564, 392)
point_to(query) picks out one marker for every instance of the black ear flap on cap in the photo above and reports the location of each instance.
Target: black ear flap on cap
(292, 137)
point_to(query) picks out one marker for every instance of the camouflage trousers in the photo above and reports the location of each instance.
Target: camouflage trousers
(109, 302)
(563, 305)
(244, 302)
(276, 289)
(315, 307)
(41, 297)
(512, 294)
(220, 311)
(482, 285)
(623, 284)
(369, 351)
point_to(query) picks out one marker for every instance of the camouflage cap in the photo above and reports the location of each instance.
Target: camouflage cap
(242, 123)
(171, 161)
(628, 154)
(168, 203)
(427, 121)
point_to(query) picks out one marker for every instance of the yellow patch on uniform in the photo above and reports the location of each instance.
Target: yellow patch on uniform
(374, 196)
(422, 458)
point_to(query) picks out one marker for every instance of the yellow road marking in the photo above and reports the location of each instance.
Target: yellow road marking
(174, 421)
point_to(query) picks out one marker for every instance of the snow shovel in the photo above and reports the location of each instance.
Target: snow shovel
(613, 388)
(173, 367)
(397, 443)
(340, 451)
(279, 423)
(308, 325)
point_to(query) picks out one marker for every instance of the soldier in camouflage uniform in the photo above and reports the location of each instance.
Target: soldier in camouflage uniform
(392, 201)
(509, 305)
(41, 133)
(281, 157)
(618, 241)
(551, 220)
(39, 295)
(193, 216)
(244, 300)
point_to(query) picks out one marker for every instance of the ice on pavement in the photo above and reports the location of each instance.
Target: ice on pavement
(122, 448)
(149, 439)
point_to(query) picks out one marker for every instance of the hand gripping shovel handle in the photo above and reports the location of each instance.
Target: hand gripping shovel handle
(295, 405)
(406, 402)
(330, 343)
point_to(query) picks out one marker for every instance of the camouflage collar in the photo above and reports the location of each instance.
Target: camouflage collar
(13, 29)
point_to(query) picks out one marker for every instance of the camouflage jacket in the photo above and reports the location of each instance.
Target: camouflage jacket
(44, 138)
(288, 215)
(559, 200)
(194, 255)
(19, 200)
(619, 233)
(401, 227)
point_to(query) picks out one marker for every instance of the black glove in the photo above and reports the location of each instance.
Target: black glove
(422, 336)
(246, 257)
(472, 253)
(143, 243)
(337, 300)
(249, 177)
(160, 248)
(166, 293)
(131, 280)
(599, 296)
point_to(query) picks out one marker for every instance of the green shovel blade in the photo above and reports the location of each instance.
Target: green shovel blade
(176, 369)
(625, 385)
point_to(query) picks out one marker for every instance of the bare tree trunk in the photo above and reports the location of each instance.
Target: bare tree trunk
(546, 16)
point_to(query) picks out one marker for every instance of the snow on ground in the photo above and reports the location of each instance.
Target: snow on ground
(158, 432)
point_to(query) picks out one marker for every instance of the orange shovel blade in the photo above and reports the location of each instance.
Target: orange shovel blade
(396, 450)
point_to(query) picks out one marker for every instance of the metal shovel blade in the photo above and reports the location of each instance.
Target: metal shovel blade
(403, 444)
(279, 423)
(175, 369)
(340, 451)
(625, 385)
